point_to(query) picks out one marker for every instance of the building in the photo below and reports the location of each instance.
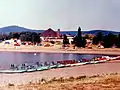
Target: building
(49, 33)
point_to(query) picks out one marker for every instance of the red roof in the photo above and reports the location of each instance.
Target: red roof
(49, 33)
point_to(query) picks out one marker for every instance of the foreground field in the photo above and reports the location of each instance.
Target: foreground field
(96, 82)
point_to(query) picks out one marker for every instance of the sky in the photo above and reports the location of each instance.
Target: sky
(63, 14)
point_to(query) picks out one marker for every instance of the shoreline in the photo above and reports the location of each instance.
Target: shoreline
(106, 51)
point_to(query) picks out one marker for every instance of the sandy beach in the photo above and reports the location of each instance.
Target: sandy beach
(57, 49)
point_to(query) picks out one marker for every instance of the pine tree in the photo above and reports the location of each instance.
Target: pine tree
(118, 41)
(65, 40)
(78, 40)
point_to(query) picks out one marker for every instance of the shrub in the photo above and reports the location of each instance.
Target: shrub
(81, 77)
(10, 84)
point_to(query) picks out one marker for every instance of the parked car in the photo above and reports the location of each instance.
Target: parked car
(16, 44)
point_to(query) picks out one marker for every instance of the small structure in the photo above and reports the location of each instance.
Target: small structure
(7, 42)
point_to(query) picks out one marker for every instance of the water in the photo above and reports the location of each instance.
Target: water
(18, 58)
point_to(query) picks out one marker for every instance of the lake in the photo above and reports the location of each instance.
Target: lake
(18, 58)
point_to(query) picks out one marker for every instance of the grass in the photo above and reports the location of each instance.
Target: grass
(96, 82)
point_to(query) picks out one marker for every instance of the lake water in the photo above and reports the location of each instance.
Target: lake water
(18, 58)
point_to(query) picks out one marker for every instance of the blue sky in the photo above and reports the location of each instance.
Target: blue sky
(63, 14)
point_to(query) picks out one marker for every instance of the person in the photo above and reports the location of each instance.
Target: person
(12, 66)
(37, 63)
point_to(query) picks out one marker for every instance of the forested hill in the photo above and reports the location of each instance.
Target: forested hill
(14, 28)
(104, 32)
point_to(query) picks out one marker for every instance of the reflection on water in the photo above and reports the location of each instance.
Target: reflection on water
(7, 58)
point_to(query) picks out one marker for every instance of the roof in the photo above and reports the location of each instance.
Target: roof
(49, 33)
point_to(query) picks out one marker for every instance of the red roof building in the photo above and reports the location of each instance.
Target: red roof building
(49, 33)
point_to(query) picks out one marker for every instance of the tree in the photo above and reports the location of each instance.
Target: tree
(35, 38)
(4, 37)
(23, 37)
(98, 38)
(78, 38)
(14, 35)
(79, 41)
(95, 40)
(86, 36)
(65, 40)
(83, 42)
(109, 40)
(30, 37)
(118, 41)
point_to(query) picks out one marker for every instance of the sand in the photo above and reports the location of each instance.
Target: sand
(57, 49)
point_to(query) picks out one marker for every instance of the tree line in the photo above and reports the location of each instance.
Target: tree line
(107, 41)
(23, 36)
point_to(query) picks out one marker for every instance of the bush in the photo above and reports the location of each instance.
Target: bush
(81, 77)
(52, 42)
(10, 84)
